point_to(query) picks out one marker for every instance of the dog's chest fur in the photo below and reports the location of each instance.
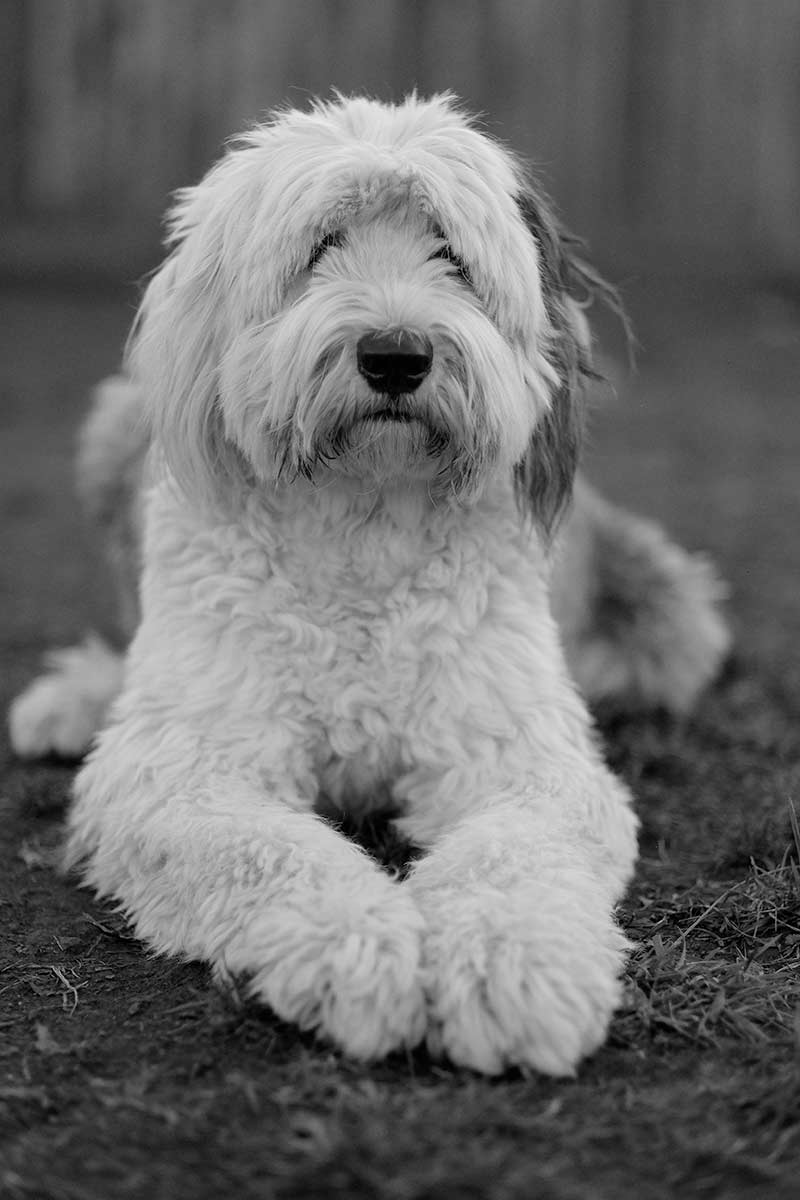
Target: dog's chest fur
(369, 626)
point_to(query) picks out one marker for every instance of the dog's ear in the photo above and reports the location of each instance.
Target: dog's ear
(176, 345)
(569, 285)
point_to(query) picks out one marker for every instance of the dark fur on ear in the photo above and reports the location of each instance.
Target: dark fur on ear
(569, 284)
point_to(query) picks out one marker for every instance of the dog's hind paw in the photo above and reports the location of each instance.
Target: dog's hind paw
(642, 620)
(61, 711)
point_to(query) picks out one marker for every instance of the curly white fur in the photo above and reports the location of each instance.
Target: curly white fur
(339, 601)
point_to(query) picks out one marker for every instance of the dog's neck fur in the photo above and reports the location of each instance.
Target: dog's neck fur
(350, 538)
(402, 508)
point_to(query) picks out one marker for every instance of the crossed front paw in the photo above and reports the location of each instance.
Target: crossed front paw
(348, 968)
(524, 978)
(491, 979)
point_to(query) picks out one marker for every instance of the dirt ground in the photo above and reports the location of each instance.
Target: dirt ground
(122, 1075)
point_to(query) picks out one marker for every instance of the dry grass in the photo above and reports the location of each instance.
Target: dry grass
(719, 959)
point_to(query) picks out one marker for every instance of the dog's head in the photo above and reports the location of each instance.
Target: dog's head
(367, 291)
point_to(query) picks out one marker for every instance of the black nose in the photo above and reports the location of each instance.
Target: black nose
(394, 360)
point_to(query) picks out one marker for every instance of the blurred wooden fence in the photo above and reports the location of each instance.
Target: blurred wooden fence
(675, 120)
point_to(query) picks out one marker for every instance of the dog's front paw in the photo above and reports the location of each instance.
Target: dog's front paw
(348, 967)
(523, 977)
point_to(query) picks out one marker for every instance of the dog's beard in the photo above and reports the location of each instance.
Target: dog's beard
(294, 404)
(337, 425)
(435, 434)
(391, 441)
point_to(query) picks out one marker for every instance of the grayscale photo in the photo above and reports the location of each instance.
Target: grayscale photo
(399, 608)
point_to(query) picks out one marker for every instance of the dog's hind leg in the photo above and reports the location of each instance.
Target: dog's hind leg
(62, 710)
(640, 618)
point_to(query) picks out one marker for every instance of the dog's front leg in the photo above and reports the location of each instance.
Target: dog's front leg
(522, 954)
(209, 866)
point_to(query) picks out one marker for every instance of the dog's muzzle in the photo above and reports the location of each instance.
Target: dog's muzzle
(394, 361)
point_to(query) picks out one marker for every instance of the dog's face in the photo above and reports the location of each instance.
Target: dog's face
(372, 292)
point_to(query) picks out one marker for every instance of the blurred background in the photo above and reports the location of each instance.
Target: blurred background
(668, 132)
(674, 122)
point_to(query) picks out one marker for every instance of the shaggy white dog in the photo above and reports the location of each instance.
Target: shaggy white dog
(360, 368)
